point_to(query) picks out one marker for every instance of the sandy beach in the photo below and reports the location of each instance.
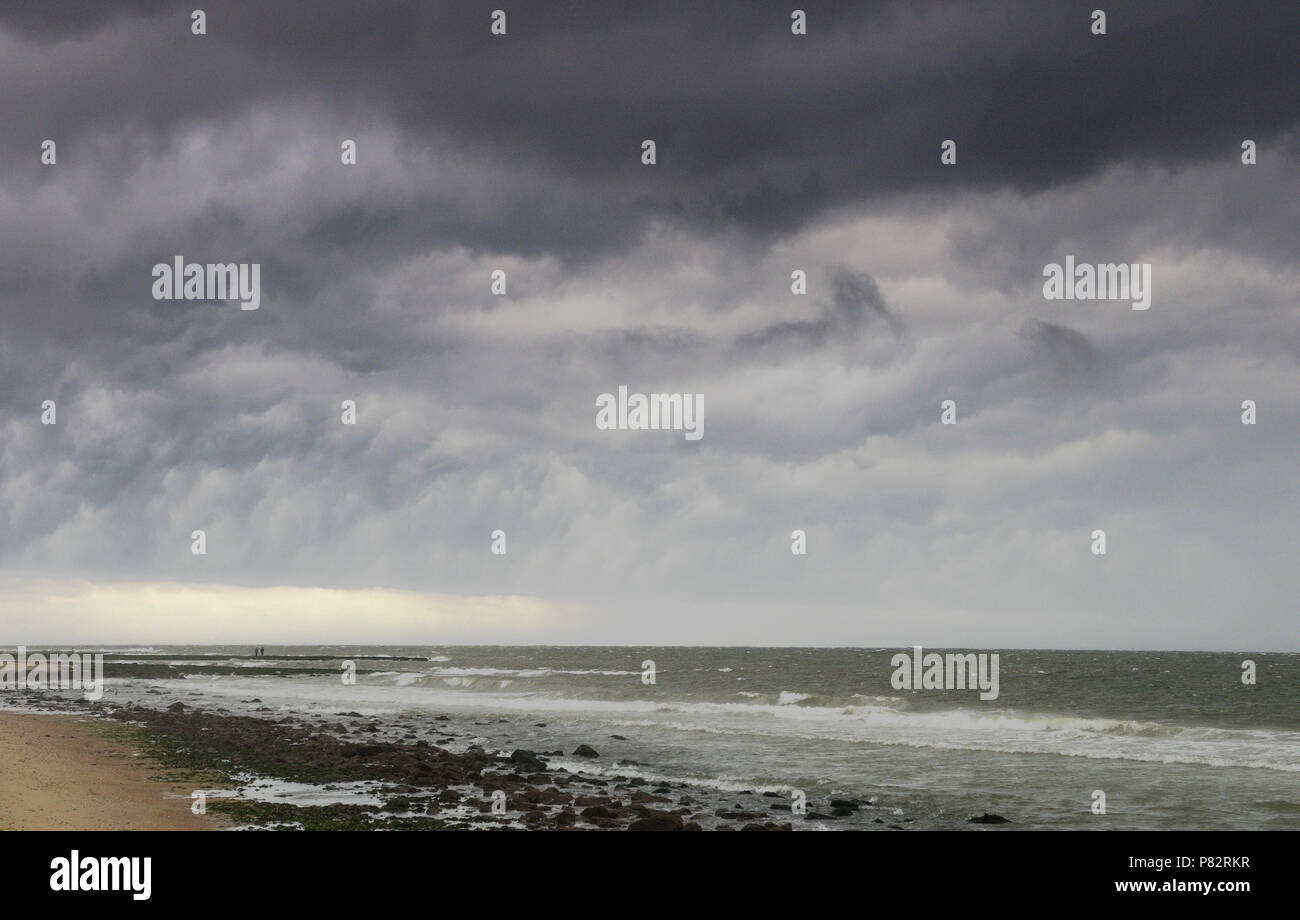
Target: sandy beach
(65, 772)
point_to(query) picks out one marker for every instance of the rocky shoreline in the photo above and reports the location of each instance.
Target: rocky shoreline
(347, 771)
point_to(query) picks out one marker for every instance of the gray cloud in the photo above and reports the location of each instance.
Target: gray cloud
(1072, 354)
(757, 129)
(822, 412)
(855, 300)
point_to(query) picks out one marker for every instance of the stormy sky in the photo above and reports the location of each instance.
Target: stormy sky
(476, 412)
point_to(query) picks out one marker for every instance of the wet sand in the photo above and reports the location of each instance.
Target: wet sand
(65, 772)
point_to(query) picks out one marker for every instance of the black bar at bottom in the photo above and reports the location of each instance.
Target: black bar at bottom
(361, 870)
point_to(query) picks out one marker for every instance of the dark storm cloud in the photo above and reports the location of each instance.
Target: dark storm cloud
(75, 18)
(858, 299)
(529, 144)
(756, 128)
(855, 301)
(1072, 354)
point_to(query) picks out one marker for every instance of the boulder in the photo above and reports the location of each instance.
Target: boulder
(529, 760)
(658, 821)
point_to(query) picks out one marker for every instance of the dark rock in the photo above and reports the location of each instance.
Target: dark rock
(658, 821)
(529, 760)
(583, 801)
(618, 737)
(176, 707)
(585, 750)
(600, 811)
(988, 818)
(640, 796)
(362, 750)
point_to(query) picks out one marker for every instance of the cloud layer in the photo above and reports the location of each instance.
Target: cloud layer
(776, 153)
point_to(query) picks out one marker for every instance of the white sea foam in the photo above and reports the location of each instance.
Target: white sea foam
(529, 672)
(876, 722)
(724, 783)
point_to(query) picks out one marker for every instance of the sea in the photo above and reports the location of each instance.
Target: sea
(1075, 740)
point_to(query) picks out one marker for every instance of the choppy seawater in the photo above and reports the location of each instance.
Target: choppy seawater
(1174, 739)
